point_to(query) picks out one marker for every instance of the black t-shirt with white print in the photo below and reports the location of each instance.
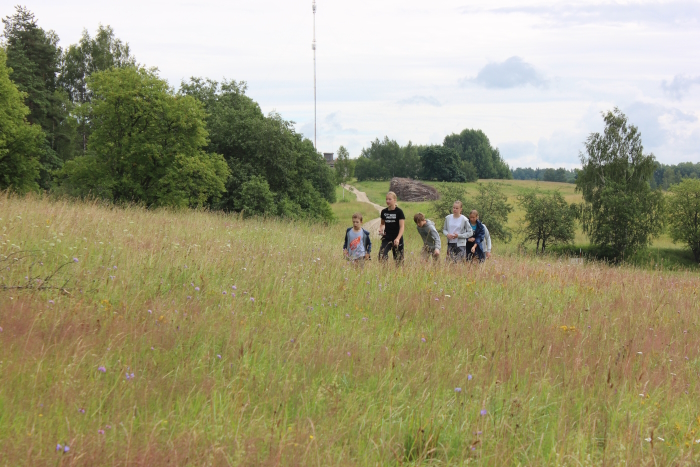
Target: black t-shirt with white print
(391, 222)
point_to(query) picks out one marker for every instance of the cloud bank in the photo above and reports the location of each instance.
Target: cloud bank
(512, 73)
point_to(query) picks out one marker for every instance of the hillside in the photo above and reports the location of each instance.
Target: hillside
(186, 337)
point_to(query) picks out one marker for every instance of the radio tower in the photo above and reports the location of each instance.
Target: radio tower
(313, 46)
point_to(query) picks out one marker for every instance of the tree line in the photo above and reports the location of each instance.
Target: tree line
(561, 174)
(90, 121)
(464, 157)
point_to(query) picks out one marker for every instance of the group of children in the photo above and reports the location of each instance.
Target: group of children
(467, 238)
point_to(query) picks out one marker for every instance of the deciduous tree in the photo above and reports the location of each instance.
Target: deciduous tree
(684, 214)
(549, 219)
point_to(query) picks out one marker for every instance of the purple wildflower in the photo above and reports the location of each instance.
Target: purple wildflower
(364, 319)
(348, 354)
(51, 302)
(0, 328)
(100, 432)
(114, 267)
(219, 356)
(102, 369)
(252, 299)
(127, 376)
(224, 292)
(483, 412)
(81, 410)
(469, 377)
(58, 447)
(233, 295)
(112, 277)
(233, 287)
(108, 427)
(458, 389)
(66, 449)
(189, 297)
(291, 340)
(132, 376)
(196, 289)
(150, 311)
(75, 260)
(152, 348)
(422, 339)
(347, 315)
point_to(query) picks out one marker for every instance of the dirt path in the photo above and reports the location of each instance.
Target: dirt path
(372, 226)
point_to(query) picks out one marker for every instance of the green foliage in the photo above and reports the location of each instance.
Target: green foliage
(621, 213)
(88, 56)
(20, 142)
(667, 175)
(344, 166)
(256, 197)
(548, 219)
(684, 214)
(255, 145)
(449, 193)
(474, 146)
(492, 205)
(441, 164)
(147, 145)
(554, 175)
(386, 159)
(549, 175)
(422, 442)
(33, 55)
(469, 171)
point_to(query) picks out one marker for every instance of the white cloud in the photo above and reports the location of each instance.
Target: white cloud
(679, 86)
(512, 73)
(420, 100)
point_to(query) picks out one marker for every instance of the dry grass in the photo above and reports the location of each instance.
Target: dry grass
(330, 364)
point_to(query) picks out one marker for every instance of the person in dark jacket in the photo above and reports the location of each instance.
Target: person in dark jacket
(474, 245)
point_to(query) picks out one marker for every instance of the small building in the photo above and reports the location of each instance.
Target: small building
(328, 156)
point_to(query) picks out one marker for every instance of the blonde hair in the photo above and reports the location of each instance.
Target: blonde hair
(393, 195)
(474, 211)
(419, 217)
(458, 202)
(357, 215)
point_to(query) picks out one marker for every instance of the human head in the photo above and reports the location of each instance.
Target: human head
(391, 199)
(457, 208)
(419, 219)
(473, 216)
(357, 221)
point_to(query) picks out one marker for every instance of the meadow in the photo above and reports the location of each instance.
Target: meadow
(155, 337)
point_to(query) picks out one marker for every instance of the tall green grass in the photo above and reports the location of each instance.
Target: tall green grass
(314, 361)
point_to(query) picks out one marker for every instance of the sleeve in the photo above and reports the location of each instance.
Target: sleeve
(401, 215)
(345, 244)
(368, 242)
(466, 232)
(488, 241)
(434, 233)
(444, 228)
(479, 233)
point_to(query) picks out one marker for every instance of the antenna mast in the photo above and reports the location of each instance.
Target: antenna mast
(313, 46)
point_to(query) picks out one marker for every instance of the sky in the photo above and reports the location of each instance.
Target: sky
(533, 75)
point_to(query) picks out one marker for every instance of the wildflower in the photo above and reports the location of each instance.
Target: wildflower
(81, 410)
(311, 436)
(348, 354)
(0, 328)
(639, 353)
(66, 449)
(219, 356)
(483, 412)
(364, 319)
(58, 447)
(196, 289)
(189, 297)
(422, 339)
(75, 260)
(233, 295)
(150, 311)
(152, 348)
(252, 299)
(132, 376)
(648, 440)
(108, 427)
(127, 376)
(102, 369)
(224, 292)
(233, 287)
(458, 389)
(291, 340)
(51, 302)
(660, 438)
(347, 315)
(469, 377)
(112, 277)
(114, 267)
(100, 432)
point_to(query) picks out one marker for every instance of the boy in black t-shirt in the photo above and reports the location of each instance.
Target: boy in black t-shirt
(391, 229)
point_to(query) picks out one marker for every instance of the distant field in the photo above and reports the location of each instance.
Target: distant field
(154, 338)
(662, 253)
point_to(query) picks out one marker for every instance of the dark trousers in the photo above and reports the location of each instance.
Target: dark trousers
(456, 253)
(397, 251)
(478, 253)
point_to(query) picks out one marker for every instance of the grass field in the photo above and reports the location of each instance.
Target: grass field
(662, 254)
(138, 337)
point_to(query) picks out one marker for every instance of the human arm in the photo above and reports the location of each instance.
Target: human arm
(368, 243)
(381, 227)
(436, 237)
(402, 225)
(466, 230)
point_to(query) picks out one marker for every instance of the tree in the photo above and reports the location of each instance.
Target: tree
(147, 145)
(90, 55)
(441, 164)
(554, 175)
(684, 214)
(474, 146)
(344, 166)
(33, 55)
(492, 205)
(449, 193)
(20, 142)
(548, 219)
(255, 145)
(620, 213)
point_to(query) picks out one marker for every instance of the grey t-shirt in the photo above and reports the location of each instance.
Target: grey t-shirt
(356, 247)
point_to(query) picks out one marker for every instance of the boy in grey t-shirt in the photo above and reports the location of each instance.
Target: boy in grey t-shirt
(357, 243)
(429, 234)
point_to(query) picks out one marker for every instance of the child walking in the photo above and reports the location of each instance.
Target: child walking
(486, 244)
(457, 230)
(475, 242)
(357, 245)
(429, 234)
(391, 229)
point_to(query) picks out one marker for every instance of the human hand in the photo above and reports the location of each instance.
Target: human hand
(470, 239)
(381, 232)
(396, 242)
(366, 255)
(436, 252)
(473, 248)
(488, 255)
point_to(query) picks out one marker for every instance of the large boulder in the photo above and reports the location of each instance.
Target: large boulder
(412, 190)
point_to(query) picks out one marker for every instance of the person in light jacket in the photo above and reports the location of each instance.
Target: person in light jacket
(457, 230)
(477, 238)
(429, 234)
(486, 244)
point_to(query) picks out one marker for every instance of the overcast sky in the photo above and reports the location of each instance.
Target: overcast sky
(533, 75)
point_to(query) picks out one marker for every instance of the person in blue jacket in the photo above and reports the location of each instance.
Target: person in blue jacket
(357, 246)
(474, 245)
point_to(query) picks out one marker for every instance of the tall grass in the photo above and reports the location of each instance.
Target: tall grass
(251, 342)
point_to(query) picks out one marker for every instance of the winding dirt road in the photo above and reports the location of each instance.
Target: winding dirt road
(372, 226)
